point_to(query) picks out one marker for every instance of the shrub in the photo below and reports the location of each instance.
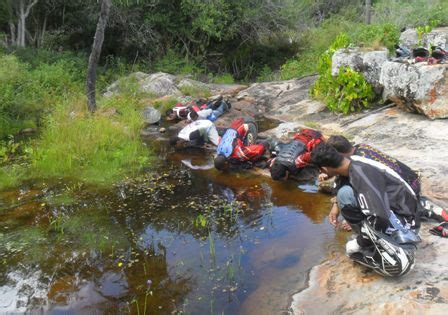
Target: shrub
(266, 74)
(386, 35)
(348, 91)
(174, 63)
(28, 93)
(225, 78)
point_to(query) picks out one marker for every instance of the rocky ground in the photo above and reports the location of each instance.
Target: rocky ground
(338, 285)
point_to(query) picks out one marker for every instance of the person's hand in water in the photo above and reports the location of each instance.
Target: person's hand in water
(345, 226)
(334, 213)
(323, 177)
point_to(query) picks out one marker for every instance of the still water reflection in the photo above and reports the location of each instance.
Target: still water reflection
(187, 239)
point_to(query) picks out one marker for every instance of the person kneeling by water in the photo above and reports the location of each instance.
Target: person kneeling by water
(237, 146)
(380, 206)
(196, 134)
(294, 156)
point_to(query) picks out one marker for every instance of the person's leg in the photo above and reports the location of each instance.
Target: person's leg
(353, 215)
(221, 109)
(203, 114)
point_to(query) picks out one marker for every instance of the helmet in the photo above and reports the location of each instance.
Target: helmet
(388, 256)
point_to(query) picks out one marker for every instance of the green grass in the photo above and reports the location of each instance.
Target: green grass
(225, 78)
(195, 91)
(10, 176)
(93, 149)
(163, 104)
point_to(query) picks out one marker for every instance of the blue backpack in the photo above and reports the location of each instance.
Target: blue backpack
(225, 147)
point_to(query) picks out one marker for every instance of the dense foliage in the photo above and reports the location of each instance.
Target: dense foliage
(44, 46)
(93, 149)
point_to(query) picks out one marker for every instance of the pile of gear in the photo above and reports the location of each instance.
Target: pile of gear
(434, 55)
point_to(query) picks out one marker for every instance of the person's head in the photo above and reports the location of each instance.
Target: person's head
(221, 162)
(341, 144)
(192, 115)
(170, 114)
(328, 160)
(278, 171)
(177, 142)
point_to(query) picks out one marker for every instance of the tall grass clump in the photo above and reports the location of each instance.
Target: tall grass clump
(96, 149)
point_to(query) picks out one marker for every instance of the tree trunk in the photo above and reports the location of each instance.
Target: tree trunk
(95, 54)
(21, 25)
(44, 28)
(12, 28)
(368, 10)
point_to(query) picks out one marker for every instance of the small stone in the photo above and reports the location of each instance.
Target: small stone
(162, 130)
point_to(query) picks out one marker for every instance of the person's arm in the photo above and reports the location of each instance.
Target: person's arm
(213, 136)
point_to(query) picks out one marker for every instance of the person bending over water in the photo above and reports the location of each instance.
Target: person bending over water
(238, 147)
(379, 206)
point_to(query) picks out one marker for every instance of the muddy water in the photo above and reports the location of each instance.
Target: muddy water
(186, 239)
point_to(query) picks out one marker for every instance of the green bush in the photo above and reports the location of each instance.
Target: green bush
(225, 78)
(410, 13)
(266, 75)
(174, 63)
(374, 35)
(26, 93)
(348, 91)
(164, 104)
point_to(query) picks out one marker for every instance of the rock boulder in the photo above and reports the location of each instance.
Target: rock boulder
(437, 37)
(158, 84)
(151, 115)
(417, 87)
(369, 63)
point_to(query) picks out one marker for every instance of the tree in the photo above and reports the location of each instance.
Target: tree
(18, 11)
(368, 11)
(95, 54)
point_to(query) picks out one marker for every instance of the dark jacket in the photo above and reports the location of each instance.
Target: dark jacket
(380, 190)
(288, 153)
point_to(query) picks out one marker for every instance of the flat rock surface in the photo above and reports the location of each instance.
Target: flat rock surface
(338, 285)
(341, 286)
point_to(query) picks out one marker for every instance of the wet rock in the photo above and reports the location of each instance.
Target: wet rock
(437, 37)
(419, 87)
(368, 63)
(151, 115)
